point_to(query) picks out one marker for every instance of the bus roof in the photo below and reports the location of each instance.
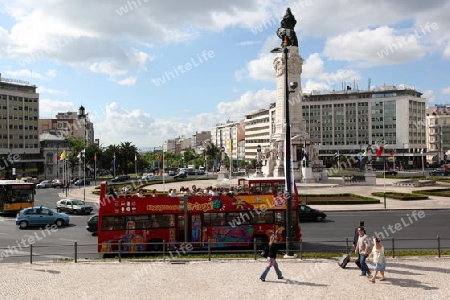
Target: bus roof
(9, 181)
(263, 179)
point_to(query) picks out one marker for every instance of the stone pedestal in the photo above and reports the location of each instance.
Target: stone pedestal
(371, 178)
(307, 175)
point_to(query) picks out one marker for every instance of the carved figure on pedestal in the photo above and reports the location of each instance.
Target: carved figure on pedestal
(287, 29)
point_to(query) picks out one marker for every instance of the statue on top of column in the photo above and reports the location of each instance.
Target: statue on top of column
(287, 29)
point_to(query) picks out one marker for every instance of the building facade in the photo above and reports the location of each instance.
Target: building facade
(19, 143)
(76, 124)
(351, 121)
(438, 134)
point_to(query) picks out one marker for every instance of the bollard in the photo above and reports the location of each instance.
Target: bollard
(393, 248)
(209, 250)
(75, 251)
(120, 250)
(254, 248)
(31, 253)
(439, 246)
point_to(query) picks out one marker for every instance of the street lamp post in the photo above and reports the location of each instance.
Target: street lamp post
(287, 151)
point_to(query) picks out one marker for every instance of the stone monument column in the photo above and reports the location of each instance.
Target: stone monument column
(298, 133)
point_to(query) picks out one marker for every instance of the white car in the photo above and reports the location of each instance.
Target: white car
(149, 177)
(44, 184)
(73, 206)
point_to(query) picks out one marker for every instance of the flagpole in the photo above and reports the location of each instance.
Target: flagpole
(164, 178)
(95, 168)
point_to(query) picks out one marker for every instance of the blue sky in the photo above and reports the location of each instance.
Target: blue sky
(148, 70)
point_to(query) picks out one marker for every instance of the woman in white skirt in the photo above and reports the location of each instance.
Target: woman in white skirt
(379, 260)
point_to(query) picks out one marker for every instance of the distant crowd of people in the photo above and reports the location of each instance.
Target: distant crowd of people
(193, 191)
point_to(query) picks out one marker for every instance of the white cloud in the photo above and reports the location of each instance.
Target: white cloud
(429, 95)
(312, 66)
(247, 103)
(50, 108)
(127, 81)
(25, 73)
(43, 90)
(374, 46)
(107, 67)
(446, 91)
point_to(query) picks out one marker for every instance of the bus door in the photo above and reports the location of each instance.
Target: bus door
(180, 229)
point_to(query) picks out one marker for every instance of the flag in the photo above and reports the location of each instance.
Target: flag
(135, 157)
(392, 152)
(79, 156)
(95, 157)
(58, 157)
(380, 148)
(63, 155)
(365, 153)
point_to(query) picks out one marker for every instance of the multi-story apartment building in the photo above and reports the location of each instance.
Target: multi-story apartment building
(224, 136)
(19, 143)
(438, 133)
(53, 143)
(71, 123)
(348, 122)
(258, 129)
(177, 145)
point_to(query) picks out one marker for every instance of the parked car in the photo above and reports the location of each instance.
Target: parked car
(200, 172)
(44, 184)
(180, 175)
(40, 215)
(149, 177)
(81, 182)
(57, 183)
(440, 172)
(392, 172)
(73, 206)
(306, 213)
(121, 178)
(92, 224)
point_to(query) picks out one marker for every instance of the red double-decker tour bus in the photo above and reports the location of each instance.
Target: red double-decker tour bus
(254, 210)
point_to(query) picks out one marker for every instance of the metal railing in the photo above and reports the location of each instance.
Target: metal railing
(168, 251)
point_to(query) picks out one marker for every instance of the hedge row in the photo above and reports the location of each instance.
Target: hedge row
(401, 196)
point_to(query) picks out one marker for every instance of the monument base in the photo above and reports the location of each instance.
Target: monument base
(371, 178)
(307, 175)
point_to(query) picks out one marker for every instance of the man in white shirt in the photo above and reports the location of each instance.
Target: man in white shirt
(363, 247)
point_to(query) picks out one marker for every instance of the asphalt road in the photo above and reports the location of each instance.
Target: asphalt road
(413, 230)
(50, 244)
(410, 229)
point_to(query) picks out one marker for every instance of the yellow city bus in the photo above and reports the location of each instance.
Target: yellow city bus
(16, 195)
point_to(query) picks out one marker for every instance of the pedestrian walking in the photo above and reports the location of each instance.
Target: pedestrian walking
(356, 233)
(272, 259)
(379, 259)
(363, 248)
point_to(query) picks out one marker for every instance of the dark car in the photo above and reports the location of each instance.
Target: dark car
(180, 175)
(121, 178)
(81, 182)
(92, 224)
(73, 206)
(440, 172)
(391, 173)
(40, 215)
(306, 213)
